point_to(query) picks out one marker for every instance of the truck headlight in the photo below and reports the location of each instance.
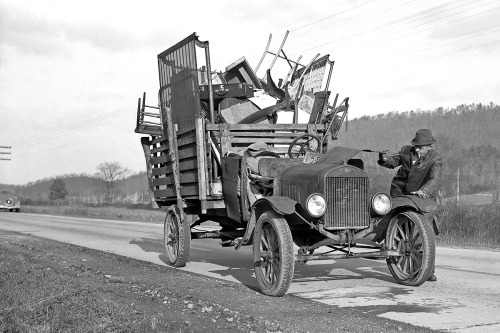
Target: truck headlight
(316, 205)
(381, 203)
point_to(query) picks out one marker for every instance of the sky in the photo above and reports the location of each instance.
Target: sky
(71, 72)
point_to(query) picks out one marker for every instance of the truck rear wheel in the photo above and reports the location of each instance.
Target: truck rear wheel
(411, 235)
(177, 238)
(273, 254)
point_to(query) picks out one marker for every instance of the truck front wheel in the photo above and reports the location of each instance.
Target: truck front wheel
(273, 254)
(412, 236)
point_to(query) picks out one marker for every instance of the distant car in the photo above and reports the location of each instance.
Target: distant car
(9, 201)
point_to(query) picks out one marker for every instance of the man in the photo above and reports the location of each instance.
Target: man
(420, 169)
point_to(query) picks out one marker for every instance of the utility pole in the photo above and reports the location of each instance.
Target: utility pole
(5, 153)
(458, 184)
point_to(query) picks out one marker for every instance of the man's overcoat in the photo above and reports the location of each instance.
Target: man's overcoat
(415, 173)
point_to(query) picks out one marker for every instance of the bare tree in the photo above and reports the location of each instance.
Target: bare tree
(109, 173)
(58, 190)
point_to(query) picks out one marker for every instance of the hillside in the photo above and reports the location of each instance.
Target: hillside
(468, 137)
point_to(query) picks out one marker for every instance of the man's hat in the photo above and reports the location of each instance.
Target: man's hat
(423, 137)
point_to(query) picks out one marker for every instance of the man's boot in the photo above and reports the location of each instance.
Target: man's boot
(432, 277)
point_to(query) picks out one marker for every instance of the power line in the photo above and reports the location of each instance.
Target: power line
(403, 20)
(65, 128)
(5, 153)
(469, 48)
(61, 130)
(68, 122)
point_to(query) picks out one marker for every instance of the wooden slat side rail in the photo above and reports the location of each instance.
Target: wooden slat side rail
(159, 139)
(145, 142)
(160, 159)
(188, 177)
(162, 194)
(183, 166)
(251, 140)
(260, 134)
(159, 149)
(186, 139)
(169, 194)
(265, 127)
(233, 138)
(161, 176)
(183, 154)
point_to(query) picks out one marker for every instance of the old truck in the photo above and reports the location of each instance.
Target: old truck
(218, 151)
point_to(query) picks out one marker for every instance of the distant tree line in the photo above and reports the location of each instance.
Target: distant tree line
(109, 185)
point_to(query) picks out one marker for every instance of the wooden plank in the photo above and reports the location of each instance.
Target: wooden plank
(187, 152)
(163, 181)
(237, 112)
(191, 164)
(183, 141)
(187, 177)
(189, 190)
(164, 194)
(261, 134)
(225, 142)
(183, 166)
(159, 139)
(264, 127)
(158, 149)
(183, 153)
(320, 98)
(214, 204)
(185, 131)
(147, 154)
(202, 169)
(162, 170)
(266, 140)
(160, 159)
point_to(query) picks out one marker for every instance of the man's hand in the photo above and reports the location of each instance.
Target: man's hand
(421, 194)
(382, 156)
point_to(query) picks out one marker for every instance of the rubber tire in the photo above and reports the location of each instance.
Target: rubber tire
(418, 252)
(274, 274)
(176, 238)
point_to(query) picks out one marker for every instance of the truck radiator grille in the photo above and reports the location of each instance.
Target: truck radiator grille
(347, 202)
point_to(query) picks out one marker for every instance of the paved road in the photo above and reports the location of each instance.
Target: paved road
(465, 299)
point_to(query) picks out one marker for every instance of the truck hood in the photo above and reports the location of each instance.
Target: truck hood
(338, 155)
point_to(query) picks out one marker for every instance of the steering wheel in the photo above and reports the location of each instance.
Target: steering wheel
(302, 144)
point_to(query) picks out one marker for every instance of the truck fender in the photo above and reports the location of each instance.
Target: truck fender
(427, 207)
(419, 204)
(281, 205)
(401, 206)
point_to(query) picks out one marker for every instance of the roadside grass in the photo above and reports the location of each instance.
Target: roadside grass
(36, 298)
(468, 225)
(101, 212)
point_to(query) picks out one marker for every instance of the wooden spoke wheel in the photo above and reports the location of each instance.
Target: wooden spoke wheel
(273, 254)
(177, 238)
(302, 144)
(412, 235)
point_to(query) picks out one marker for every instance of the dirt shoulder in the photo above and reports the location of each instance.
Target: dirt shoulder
(162, 299)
